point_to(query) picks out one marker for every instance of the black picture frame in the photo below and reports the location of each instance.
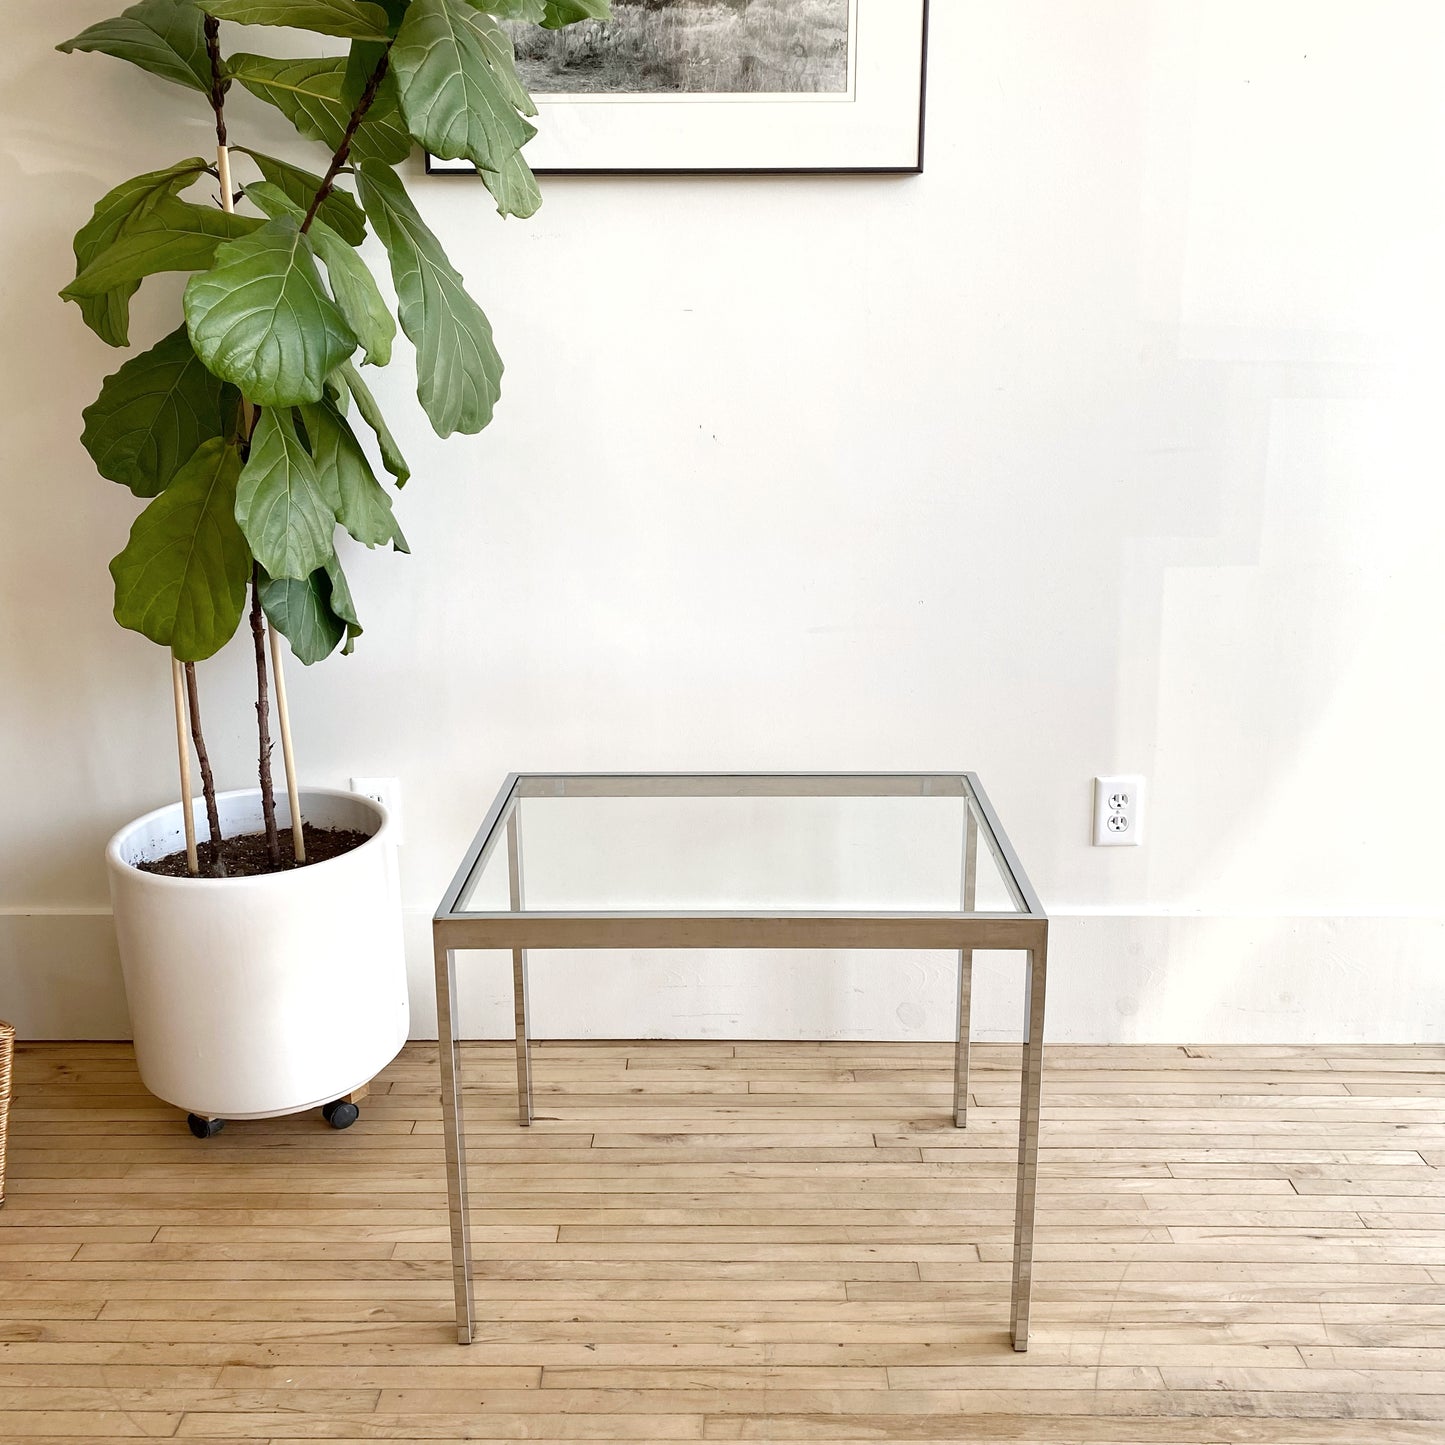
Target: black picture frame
(892, 86)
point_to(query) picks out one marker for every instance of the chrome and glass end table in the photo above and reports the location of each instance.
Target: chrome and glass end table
(914, 861)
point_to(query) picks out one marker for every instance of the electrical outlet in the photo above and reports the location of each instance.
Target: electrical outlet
(387, 792)
(1118, 812)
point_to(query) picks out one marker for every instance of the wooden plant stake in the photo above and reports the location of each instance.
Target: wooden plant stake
(283, 714)
(283, 719)
(183, 749)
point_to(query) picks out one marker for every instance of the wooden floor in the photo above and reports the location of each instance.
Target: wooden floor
(766, 1242)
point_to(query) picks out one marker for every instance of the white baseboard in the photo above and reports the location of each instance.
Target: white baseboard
(1112, 979)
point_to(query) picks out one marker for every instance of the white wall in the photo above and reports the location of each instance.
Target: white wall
(1108, 444)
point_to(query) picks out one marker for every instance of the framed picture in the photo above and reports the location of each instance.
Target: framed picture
(700, 86)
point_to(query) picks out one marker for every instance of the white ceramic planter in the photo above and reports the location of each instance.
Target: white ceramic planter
(252, 997)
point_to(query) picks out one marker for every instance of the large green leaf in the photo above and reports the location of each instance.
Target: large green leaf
(128, 207)
(361, 506)
(531, 11)
(181, 579)
(500, 52)
(325, 480)
(361, 62)
(165, 37)
(514, 187)
(554, 14)
(175, 236)
(338, 210)
(341, 603)
(314, 613)
(569, 12)
(261, 319)
(352, 283)
(280, 502)
(299, 608)
(354, 19)
(459, 88)
(311, 94)
(336, 391)
(152, 415)
(351, 384)
(459, 374)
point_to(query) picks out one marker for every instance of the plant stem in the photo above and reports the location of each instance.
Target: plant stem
(343, 151)
(208, 782)
(219, 83)
(263, 719)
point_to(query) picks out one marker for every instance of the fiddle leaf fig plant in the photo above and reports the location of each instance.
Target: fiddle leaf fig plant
(239, 429)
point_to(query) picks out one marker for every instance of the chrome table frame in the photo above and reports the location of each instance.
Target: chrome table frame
(517, 931)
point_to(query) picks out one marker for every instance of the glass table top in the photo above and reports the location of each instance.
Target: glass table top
(773, 844)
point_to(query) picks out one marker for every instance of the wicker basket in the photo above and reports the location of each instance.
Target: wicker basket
(7, 1057)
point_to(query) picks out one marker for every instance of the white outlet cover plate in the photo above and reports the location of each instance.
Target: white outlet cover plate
(1119, 811)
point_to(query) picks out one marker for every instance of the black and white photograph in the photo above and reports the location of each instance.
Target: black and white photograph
(719, 47)
(727, 86)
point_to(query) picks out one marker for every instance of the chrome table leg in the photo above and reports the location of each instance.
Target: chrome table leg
(963, 1036)
(521, 1020)
(454, 1135)
(1030, 1091)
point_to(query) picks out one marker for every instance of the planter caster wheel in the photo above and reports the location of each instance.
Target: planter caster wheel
(340, 1115)
(204, 1128)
